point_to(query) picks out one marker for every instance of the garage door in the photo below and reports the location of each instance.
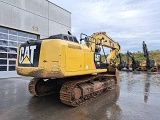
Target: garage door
(9, 40)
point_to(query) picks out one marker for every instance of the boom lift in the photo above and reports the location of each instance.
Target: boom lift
(61, 63)
(148, 65)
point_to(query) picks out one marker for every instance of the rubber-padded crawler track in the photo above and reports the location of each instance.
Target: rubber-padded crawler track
(67, 88)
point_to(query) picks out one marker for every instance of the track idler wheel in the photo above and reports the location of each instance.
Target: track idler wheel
(40, 87)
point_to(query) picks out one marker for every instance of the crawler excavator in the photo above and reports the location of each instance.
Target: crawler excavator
(61, 63)
(148, 65)
(135, 63)
(121, 64)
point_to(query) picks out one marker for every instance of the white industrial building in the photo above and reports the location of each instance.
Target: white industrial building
(21, 20)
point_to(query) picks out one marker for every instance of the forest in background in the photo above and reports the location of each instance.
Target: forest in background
(154, 55)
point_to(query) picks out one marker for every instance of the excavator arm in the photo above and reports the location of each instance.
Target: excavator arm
(101, 39)
(135, 63)
(121, 64)
(149, 63)
(127, 63)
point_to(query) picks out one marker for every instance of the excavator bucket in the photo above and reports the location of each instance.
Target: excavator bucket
(113, 71)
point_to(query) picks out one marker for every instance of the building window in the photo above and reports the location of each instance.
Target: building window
(3, 30)
(3, 36)
(3, 62)
(9, 40)
(13, 32)
(23, 34)
(3, 68)
(3, 42)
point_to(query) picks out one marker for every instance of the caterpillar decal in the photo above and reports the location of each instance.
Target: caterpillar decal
(29, 54)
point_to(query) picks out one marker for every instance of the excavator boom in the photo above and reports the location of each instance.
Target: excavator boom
(121, 64)
(135, 63)
(102, 39)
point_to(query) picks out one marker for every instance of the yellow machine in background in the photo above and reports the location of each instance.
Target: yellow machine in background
(148, 64)
(60, 62)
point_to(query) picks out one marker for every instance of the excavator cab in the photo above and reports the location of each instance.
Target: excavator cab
(97, 60)
(99, 64)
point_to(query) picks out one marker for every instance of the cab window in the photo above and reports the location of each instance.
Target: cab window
(65, 37)
(75, 40)
(70, 39)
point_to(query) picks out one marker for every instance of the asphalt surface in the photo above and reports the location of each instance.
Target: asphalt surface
(137, 97)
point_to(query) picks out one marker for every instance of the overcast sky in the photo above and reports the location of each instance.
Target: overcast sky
(128, 22)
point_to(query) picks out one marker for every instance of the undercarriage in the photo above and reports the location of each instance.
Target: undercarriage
(74, 91)
(142, 68)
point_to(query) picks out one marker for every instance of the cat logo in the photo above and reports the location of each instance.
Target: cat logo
(26, 54)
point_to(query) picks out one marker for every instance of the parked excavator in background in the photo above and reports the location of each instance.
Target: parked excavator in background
(121, 63)
(127, 62)
(148, 64)
(127, 66)
(135, 63)
(61, 63)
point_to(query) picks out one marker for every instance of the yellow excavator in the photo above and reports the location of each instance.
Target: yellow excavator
(75, 69)
(148, 64)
